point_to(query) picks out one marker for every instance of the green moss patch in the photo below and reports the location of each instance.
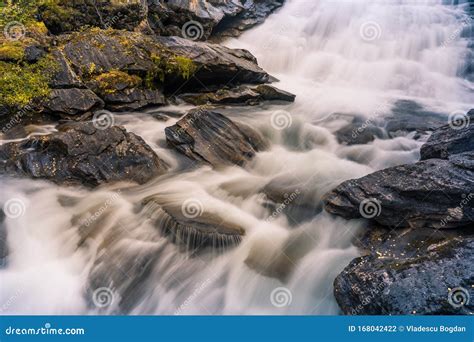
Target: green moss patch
(12, 51)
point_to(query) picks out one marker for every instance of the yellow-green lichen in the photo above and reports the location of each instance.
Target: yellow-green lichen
(12, 51)
(20, 84)
(113, 80)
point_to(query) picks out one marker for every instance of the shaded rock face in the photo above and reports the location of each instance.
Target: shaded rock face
(240, 95)
(435, 192)
(79, 153)
(210, 137)
(411, 272)
(215, 17)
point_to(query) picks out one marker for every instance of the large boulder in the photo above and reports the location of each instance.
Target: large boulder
(416, 271)
(81, 153)
(433, 193)
(210, 137)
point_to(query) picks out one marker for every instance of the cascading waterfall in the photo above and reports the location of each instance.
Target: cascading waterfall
(339, 58)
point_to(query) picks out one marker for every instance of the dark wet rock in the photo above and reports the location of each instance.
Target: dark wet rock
(239, 95)
(215, 64)
(433, 193)
(451, 139)
(191, 227)
(64, 77)
(218, 18)
(79, 153)
(210, 137)
(133, 99)
(73, 103)
(416, 271)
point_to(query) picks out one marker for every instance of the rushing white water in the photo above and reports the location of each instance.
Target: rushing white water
(352, 57)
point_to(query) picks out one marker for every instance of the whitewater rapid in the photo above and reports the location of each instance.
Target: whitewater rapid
(338, 57)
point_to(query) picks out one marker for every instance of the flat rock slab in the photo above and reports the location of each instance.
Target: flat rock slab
(212, 138)
(80, 153)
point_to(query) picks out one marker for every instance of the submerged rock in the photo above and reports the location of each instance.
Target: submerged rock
(411, 272)
(80, 153)
(210, 137)
(193, 231)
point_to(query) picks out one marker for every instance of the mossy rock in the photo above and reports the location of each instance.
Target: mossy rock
(115, 80)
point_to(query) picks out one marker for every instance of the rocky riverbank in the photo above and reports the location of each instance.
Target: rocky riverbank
(420, 250)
